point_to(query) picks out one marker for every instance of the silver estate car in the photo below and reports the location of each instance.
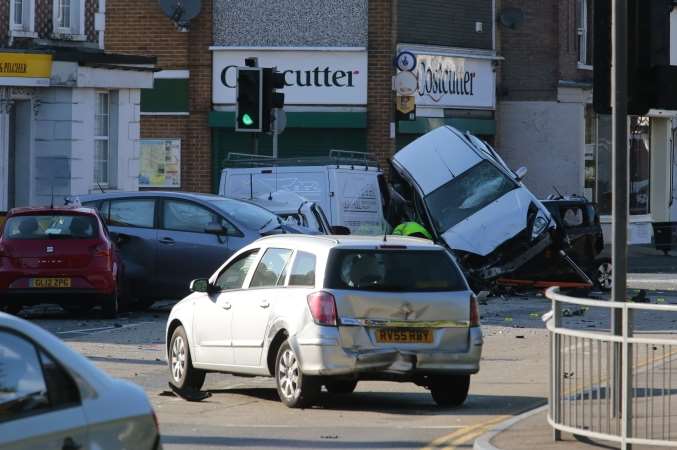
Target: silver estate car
(329, 311)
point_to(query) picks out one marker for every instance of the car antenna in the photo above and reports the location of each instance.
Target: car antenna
(385, 233)
(99, 184)
(51, 205)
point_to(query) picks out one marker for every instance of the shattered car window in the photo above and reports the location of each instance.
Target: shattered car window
(466, 194)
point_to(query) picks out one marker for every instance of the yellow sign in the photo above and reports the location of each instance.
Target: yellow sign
(25, 65)
(405, 104)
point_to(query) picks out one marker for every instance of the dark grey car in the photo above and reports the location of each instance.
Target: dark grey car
(168, 239)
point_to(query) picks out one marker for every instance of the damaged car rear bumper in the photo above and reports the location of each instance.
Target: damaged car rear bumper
(326, 357)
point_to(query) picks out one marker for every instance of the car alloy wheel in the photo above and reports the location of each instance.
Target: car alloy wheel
(178, 359)
(604, 274)
(296, 390)
(288, 375)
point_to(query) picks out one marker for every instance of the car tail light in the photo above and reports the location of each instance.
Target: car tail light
(474, 312)
(323, 308)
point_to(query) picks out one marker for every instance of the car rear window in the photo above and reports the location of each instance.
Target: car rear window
(51, 226)
(393, 270)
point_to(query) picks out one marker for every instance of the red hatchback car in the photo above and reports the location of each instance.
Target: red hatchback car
(58, 255)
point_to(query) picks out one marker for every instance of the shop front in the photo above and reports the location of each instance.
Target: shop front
(325, 102)
(69, 122)
(456, 87)
(652, 165)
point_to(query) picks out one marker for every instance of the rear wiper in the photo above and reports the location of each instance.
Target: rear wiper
(58, 236)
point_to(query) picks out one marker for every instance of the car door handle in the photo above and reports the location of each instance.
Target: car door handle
(264, 304)
(227, 305)
(167, 241)
(70, 444)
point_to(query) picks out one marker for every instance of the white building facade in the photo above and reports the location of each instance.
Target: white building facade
(69, 112)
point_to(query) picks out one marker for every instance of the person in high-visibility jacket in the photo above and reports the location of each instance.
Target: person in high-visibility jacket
(413, 229)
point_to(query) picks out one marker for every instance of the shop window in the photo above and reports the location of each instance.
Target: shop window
(68, 16)
(598, 162)
(21, 15)
(584, 21)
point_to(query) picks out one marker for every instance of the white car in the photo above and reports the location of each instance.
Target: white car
(330, 310)
(52, 398)
(461, 190)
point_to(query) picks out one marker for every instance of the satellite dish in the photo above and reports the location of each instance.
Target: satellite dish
(511, 17)
(181, 11)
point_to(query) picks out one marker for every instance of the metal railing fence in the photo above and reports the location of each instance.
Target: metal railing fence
(609, 387)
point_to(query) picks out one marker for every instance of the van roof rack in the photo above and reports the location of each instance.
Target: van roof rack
(335, 156)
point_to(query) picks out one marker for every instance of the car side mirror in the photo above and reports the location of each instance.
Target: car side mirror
(200, 285)
(120, 239)
(340, 230)
(215, 228)
(521, 173)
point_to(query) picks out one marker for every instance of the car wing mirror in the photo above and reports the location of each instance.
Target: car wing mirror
(200, 285)
(340, 230)
(521, 173)
(121, 239)
(215, 228)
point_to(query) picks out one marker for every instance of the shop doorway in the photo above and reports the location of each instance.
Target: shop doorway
(19, 180)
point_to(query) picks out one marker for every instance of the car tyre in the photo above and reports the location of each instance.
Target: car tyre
(340, 387)
(182, 374)
(77, 309)
(603, 271)
(295, 389)
(110, 305)
(141, 304)
(11, 309)
(450, 390)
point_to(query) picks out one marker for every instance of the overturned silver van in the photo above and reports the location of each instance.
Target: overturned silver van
(460, 189)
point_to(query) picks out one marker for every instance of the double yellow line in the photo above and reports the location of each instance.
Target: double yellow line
(464, 435)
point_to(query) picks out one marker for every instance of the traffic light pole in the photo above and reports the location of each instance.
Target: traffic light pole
(621, 404)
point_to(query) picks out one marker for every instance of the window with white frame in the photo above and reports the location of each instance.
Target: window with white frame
(21, 15)
(584, 21)
(68, 16)
(102, 153)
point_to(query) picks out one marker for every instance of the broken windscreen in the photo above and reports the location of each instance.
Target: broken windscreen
(466, 194)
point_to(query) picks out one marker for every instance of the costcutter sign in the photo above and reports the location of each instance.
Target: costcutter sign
(312, 77)
(455, 82)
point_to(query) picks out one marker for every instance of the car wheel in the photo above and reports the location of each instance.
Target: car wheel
(11, 309)
(77, 309)
(295, 389)
(110, 306)
(182, 374)
(142, 304)
(450, 390)
(602, 273)
(340, 386)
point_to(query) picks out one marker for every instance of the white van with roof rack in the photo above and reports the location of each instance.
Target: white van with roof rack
(346, 185)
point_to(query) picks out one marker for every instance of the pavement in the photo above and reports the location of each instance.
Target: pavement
(531, 429)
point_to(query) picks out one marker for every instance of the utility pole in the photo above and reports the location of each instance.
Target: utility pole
(621, 404)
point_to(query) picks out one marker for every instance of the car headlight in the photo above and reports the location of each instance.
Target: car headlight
(539, 226)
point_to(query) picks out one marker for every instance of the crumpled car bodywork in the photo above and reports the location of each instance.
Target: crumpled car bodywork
(471, 201)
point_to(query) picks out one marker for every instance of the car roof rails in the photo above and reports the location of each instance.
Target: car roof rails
(335, 157)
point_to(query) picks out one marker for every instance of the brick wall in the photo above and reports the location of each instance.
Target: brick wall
(530, 70)
(381, 44)
(4, 22)
(139, 27)
(568, 44)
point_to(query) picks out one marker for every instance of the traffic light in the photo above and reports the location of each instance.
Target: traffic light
(249, 100)
(272, 80)
(650, 77)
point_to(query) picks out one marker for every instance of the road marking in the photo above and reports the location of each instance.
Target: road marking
(101, 329)
(461, 435)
